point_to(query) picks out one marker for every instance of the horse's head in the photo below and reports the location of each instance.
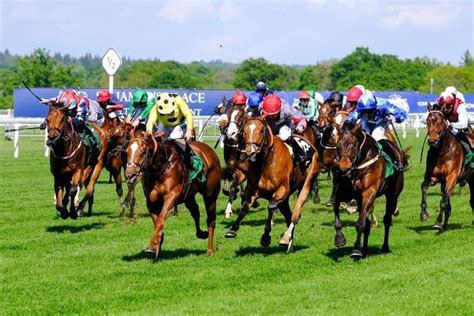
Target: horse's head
(340, 117)
(436, 126)
(255, 136)
(57, 120)
(140, 149)
(347, 146)
(236, 119)
(325, 115)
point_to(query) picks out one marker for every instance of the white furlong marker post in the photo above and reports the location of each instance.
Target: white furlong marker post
(111, 62)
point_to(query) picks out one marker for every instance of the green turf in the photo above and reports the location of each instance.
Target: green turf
(96, 265)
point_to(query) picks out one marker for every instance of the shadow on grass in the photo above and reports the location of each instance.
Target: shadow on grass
(424, 228)
(60, 229)
(165, 255)
(336, 254)
(266, 251)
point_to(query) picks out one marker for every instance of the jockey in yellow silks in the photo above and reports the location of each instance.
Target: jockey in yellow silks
(173, 116)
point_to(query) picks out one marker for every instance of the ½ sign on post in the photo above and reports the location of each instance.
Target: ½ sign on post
(111, 62)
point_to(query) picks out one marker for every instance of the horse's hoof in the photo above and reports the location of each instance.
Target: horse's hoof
(230, 234)
(202, 234)
(265, 240)
(284, 241)
(210, 253)
(438, 226)
(228, 213)
(375, 224)
(330, 203)
(73, 214)
(255, 205)
(397, 212)
(424, 216)
(150, 249)
(339, 241)
(385, 249)
(64, 214)
(356, 254)
(80, 212)
(316, 199)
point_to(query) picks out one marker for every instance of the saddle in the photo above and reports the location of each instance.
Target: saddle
(92, 140)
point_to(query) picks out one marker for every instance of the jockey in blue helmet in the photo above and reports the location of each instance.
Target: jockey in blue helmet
(374, 115)
(254, 103)
(262, 89)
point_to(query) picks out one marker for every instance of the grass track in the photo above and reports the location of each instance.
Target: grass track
(95, 265)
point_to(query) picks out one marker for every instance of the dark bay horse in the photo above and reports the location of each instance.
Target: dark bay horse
(444, 165)
(271, 175)
(71, 163)
(164, 177)
(363, 178)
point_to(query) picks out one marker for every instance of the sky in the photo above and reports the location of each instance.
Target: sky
(298, 32)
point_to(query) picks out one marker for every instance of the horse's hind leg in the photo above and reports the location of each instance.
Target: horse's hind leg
(451, 180)
(365, 247)
(390, 208)
(210, 203)
(315, 191)
(471, 190)
(90, 203)
(288, 237)
(194, 209)
(72, 210)
(232, 197)
(266, 239)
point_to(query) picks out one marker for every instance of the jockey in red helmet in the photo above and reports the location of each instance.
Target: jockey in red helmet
(280, 116)
(353, 96)
(110, 104)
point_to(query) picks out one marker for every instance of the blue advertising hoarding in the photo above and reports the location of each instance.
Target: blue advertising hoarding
(202, 102)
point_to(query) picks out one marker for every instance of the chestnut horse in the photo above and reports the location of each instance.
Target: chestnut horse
(363, 178)
(271, 175)
(164, 176)
(71, 163)
(444, 165)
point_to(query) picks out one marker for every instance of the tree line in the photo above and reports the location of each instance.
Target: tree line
(376, 72)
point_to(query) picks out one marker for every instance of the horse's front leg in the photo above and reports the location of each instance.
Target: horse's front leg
(280, 195)
(248, 194)
(367, 202)
(424, 189)
(447, 189)
(59, 193)
(75, 183)
(390, 208)
(129, 200)
(339, 239)
(232, 196)
(157, 239)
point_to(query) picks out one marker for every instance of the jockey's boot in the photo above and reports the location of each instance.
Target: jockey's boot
(299, 153)
(387, 147)
(464, 140)
(93, 141)
(186, 151)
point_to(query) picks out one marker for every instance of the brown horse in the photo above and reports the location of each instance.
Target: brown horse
(233, 177)
(363, 179)
(164, 176)
(271, 175)
(444, 165)
(71, 163)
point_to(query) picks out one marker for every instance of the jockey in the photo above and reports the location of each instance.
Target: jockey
(452, 105)
(238, 99)
(336, 100)
(140, 107)
(95, 114)
(307, 106)
(254, 103)
(110, 104)
(175, 119)
(280, 116)
(262, 89)
(353, 96)
(374, 115)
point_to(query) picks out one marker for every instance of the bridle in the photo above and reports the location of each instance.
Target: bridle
(259, 145)
(147, 155)
(438, 134)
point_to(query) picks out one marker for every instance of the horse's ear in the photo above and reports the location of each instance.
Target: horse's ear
(429, 107)
(355, 128)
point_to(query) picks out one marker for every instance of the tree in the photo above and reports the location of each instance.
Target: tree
(460, 77)
(466, 59)
(254, 70)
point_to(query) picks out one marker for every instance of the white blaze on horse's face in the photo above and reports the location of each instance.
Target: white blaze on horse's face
(233, 129)
(339, 119)
(134, 148)
(252, 132)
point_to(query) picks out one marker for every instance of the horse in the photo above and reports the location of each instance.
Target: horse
(363, 178)
(444, 165)
(271, 175)
(164, 176)
(71, 163)
(232, 129)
